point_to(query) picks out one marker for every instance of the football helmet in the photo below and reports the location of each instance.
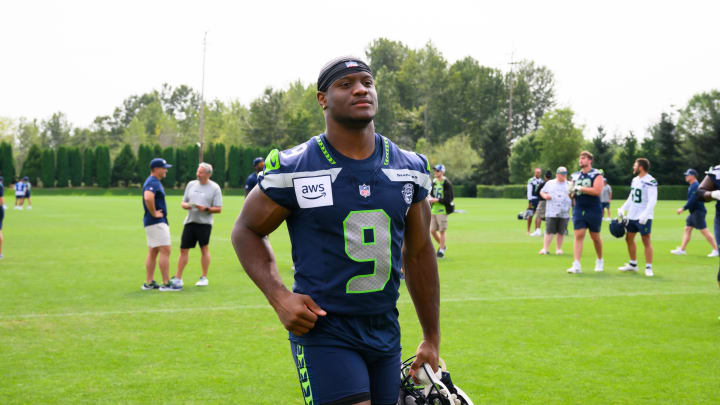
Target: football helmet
(617, 227)
(528, 213)
(432, 388)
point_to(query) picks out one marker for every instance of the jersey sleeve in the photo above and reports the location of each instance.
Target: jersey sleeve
(150, 186)
(217, 198)
(276, 181)
(424, 183)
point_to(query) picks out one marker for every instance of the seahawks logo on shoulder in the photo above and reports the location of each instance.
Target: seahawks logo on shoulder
(272, 162)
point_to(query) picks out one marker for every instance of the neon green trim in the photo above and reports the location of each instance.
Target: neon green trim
(386, 142)
(272, 162)
(324, 151)
(374, 272)
(303, 375)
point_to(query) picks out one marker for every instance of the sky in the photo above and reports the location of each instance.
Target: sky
(619, 64)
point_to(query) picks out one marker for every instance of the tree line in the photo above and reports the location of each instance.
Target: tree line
(456, 113)
(70, 166)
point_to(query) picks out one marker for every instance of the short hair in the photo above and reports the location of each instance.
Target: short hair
(644, 163)
(587, 154)
(207, 167)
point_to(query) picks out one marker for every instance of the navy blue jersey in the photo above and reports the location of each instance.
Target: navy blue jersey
(714, 174)
(251, 182)
(154, 185)
(20, 188)
(586, 201)
(347, 220)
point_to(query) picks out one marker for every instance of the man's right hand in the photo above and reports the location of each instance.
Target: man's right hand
(679, 211)
(298, 312)
(158, 214)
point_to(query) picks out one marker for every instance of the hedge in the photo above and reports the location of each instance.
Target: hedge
(119, 191)
(619, 193)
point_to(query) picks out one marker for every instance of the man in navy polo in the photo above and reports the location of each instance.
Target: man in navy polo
(157, 229)
(696, 218)
(258, 166)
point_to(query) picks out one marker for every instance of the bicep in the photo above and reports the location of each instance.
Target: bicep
(149, 196)
(417, 225)
(261, 214)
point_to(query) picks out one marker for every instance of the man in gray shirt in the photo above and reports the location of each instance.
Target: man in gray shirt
(202, 199)
(605, 198)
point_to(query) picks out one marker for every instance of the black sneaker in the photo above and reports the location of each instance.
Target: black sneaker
(170, 286)
(441, 253)
(152, 286)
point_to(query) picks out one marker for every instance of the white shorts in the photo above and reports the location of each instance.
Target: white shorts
(158, 235)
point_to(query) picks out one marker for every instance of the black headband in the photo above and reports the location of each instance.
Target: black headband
(338, 68)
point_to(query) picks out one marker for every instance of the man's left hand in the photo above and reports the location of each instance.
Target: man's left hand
(426, 353)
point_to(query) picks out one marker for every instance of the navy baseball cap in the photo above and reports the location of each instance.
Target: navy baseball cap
(439, 168)
(691, 172)
(159, 162)
(257, 161)
(26, 178)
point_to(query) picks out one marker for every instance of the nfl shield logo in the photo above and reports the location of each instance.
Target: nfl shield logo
(364, 190)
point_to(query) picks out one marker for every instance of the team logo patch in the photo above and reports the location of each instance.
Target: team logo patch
(313, 192)
(364, 190)
(407, 193)
(351, 64)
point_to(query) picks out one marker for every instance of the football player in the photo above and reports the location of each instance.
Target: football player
(356, 211)
(710, 190)
(587, 214)
(534, 185)
(640, 205)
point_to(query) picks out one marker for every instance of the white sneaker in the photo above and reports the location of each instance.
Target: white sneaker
(628, 267)
(679, 252)
(599, 265)
(537, 232)
(649, 272)
(202, 282)
(574, 270)
(543, 252)
(559, 252)
(177, 282)
(29, 207)
(714, 253)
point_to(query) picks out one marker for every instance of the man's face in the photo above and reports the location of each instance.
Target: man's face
(690, 179)
(260, 167)
(351, 99)
(201, 174)
(159, 172)
(583, 161)
(636, 168)
(537, 173)
(561, 176)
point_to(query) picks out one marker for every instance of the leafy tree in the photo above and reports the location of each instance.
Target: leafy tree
(28, 134)
(458, 157)
(8, 162)
(62, 169)
(32, 166)
(102, 159)
(625, 158)
(235, 172)
(171, 177)
(523, 158)
(494, 149)
(123, 170)
(219, 168)
(602, 150)
(142, 163)
(559, 141)
(699, 128)
(76, 166)
(48, 168)
(89, 167)
(55, 131)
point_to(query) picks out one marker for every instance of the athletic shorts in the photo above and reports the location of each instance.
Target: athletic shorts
(158, 235)
(587, 218)
(19, 196)
(634, 226)
(696, 219)
(341, 375)
(605, 205)
(556, 225)
(534, 203)
(194, 233)
(438, 222)
(541, 208)
(27, 194)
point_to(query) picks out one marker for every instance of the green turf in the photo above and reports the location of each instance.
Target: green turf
(76, 328)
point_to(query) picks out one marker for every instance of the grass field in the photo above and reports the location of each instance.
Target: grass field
(517, 329)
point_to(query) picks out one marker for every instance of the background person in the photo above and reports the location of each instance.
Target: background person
(556, 193)
(540, 212)
(640, 205)
(696, 218)
(2, 212)
(157, 229)
(20, 188)
(441, 200)
(605, 198)
(258, 166)
(587, 214)
(533, 195)
(202, 199)
(710, 190)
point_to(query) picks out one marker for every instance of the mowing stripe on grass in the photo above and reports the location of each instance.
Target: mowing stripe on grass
(403, 301)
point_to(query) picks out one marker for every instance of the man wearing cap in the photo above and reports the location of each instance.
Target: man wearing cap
(696, 218)
(258, 166)
(441, 200)
(533, 195)
(556, 193)
(202, 199)
(157, 229)
(356, 211)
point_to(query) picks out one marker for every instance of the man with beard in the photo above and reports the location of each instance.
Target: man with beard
(587, 214)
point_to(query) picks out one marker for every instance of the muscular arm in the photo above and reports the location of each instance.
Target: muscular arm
(258, 218)
(597, 187)
(423, 284)
(149, 198)
(707, 186)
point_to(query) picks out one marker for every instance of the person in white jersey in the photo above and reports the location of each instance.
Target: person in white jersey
(202, 199)
(639, 206)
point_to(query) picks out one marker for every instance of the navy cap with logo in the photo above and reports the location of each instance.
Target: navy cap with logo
(690, 172)
(257, 161)
(159, 162)
(439, 168)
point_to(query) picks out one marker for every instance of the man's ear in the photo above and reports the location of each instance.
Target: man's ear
(322, 99)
